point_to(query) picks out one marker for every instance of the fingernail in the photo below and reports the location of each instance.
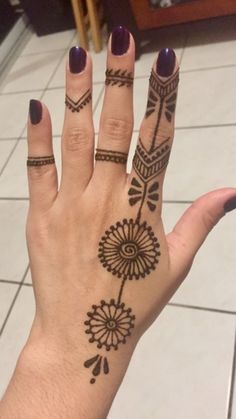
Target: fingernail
(35, 111)
(120, 40)
(230, 205)
(77, 59)
(165, 62)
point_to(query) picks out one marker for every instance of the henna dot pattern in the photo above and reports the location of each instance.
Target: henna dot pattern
(129, 249)
(98, 364)
(77, 105)
(109, 324)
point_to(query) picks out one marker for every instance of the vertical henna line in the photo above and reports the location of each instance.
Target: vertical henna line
(157, 125)
(142, 201)
(121, 290)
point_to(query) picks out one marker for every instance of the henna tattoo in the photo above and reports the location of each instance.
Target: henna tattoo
(76, 106)
(129, 249)
(148, 164)
(101, 363)
(119, 78)
(109, 324)
(40, 161)
(161, 97)
(138, 192)
(111, 156)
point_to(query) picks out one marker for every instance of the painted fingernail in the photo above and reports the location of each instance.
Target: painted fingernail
(77, 59)
(35, 111)
(120, 40)
(165, 62)
(230, 205)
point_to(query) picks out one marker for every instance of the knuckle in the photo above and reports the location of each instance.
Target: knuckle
(148, 130)
(78, 138)
(117, 129)
(36, 173)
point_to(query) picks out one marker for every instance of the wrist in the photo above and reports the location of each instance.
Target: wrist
(50, 370)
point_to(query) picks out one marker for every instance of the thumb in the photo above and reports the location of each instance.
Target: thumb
(193, 227)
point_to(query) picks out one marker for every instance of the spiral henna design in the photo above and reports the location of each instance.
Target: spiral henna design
(129, 249)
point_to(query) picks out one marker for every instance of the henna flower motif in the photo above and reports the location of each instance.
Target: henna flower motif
(129, 249)
(109, 324)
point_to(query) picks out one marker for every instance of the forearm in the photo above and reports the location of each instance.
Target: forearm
(51, 383)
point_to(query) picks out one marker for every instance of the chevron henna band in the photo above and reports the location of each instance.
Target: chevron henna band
(40, 161)
(111, 156)
(119, 78)
(76, 106)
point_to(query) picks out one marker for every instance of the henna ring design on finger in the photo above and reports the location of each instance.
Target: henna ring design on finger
(119, 78)
(76, 106)
(40, 161)
(111, 156)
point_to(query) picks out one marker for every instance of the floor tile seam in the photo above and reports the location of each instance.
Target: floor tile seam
(9, 157)
(26, 198)
(13, 302)
(230, 124)
(183, 50)
(192, 70)
(53, 72)
(98, 100)
(203, 308)
(97, 82)
(9, 281)
(23, 129)
(15, 198)
(232, 382)
(29, 54)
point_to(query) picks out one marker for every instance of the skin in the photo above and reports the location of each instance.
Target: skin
(64, 226)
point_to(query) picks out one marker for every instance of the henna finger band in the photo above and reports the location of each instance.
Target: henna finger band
(111, 156)
(40, 161)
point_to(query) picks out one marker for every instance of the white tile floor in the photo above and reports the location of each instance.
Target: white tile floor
(184, 366)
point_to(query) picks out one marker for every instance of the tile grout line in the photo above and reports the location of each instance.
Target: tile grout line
(13, 302)
(209, 309)
(9, 281)
(144, 77)
(232, 382)
(183, 50)
(43, 91)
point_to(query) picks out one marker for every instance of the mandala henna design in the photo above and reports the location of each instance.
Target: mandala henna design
(101, 363)
(111, 156)
(40, 161)
(76, 106)
(129, 249)
(109, 324)
(119, 78)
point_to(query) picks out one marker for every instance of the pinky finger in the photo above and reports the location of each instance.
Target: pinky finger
(42, 173)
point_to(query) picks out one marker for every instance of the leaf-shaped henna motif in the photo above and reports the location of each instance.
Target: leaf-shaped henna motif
(119, 78)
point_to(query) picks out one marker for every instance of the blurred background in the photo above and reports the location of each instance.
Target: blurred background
(184, 367)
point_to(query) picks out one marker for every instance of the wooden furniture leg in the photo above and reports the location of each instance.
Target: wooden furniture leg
(80, 23)
(94, 24)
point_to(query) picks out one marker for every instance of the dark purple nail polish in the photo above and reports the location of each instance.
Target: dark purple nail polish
(77, 59)
(120, 40)
(230, 205)
(165, 62)
(35, 111)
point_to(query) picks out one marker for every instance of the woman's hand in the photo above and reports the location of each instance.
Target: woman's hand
(102, 266)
